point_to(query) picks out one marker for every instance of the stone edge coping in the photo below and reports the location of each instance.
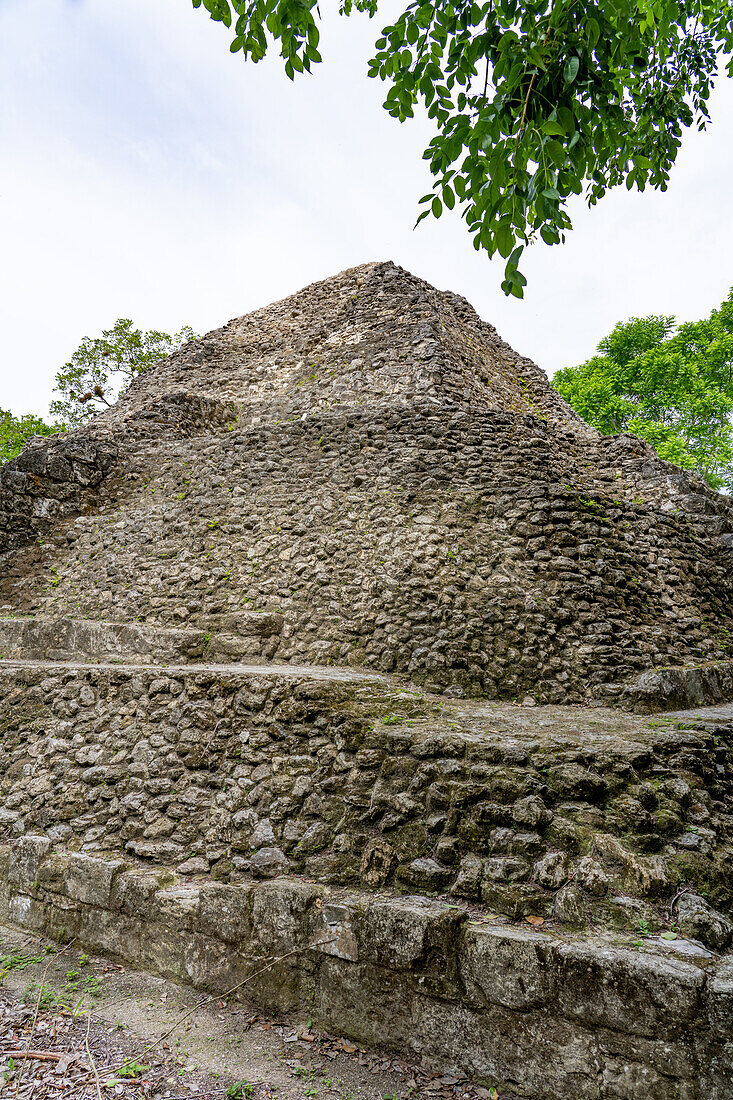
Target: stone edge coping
(651, 990)
(677, 688)
(284, 671)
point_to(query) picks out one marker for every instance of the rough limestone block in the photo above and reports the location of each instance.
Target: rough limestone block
(623, 1080)
(674, 1058)
(225, 912)
(89, 879)
(284, 915)
(355, 999)
(25, 860)
(698, 920)
(213, 965)
(337, 934)
(505, 966)
(52, 873)
(111, 933)
(509, 1048)
(637, 992)
(27, 912)
(163, 950)
(5, 898)
(719, 1001)
(133, 892)
(177, 906)
(403, 933)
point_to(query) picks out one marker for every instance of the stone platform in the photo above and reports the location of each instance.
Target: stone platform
(556, 1015)
(352, 777)
(494, 881)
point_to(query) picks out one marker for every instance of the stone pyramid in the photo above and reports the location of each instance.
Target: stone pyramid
(263, 629)
(364, 474)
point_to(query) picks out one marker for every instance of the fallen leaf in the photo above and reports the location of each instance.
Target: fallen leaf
(536, 922)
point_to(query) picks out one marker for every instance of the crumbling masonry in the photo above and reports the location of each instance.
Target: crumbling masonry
(266, 626)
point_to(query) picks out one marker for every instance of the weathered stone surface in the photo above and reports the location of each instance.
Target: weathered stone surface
(695, 918)
(225, 912)
(641, 993)
(506, 967)
(364, 484)
(25, 861)
(409, 932)
(90, 880)
(521, 1008)
(370, 461)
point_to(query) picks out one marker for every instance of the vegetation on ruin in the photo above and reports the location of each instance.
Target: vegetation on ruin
(669, 384)
(102, 368)
(533, 103)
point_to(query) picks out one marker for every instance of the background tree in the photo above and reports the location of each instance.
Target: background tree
(101, 369)
(672, 386)
(15, 431)
(534, 101)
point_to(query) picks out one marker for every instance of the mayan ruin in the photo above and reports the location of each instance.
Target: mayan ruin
(341, 640)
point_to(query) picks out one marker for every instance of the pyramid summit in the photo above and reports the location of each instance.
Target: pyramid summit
(372, 335)
(369, 462)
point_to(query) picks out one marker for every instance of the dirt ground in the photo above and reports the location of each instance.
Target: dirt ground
(80, 1027)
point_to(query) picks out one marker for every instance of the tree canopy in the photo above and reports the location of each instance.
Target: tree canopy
(533, 101)
(15, 431)
(102, 368)
(670, 385)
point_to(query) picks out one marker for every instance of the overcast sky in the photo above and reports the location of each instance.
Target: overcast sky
(148, 173)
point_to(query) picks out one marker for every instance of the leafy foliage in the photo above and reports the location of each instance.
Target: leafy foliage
(534, 101)
(15, 431)
(102, 368)
(672, 386)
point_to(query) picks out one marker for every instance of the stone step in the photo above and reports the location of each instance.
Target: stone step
(678, 688)
(245, 635)
(560, 1016)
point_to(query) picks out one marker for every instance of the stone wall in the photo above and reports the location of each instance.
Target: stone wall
(592, 821)
(251, 635)
(555, 1017)
(477, 553)
(52, 478)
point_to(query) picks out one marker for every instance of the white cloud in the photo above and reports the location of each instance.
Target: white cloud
(149, 173)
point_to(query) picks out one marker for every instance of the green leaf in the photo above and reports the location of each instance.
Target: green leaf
(570, 71)
(437, 207)
(504, 240)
